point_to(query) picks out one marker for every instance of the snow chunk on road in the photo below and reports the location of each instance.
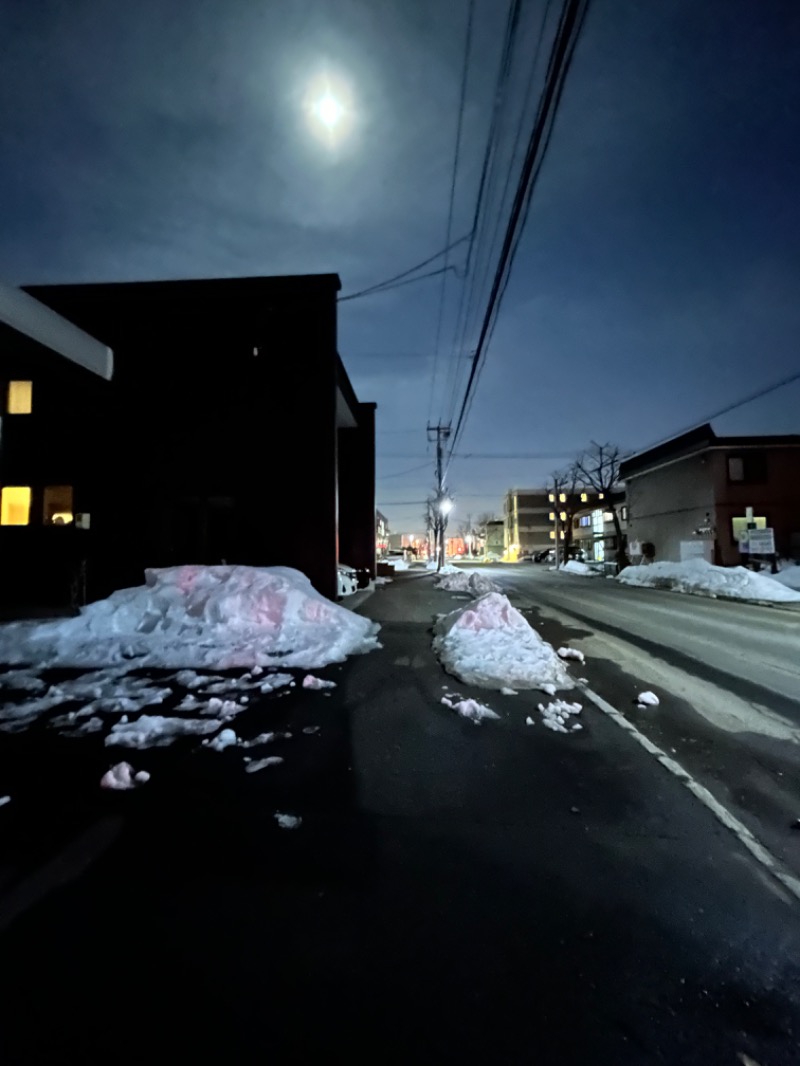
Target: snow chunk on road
(556, 715)
(210, 617)
(155, 731)
(572, 566)
(316, 683)
(571, 653)
(121, 777)
(254, 765)
(508, 691)
(470, 709)
(225, 739)
(700, 578)
(288, 821)
(489, 643)
(648, 699)
(471, 581)
(4, 800)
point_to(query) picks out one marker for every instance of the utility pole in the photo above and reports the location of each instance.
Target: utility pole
(439, 434)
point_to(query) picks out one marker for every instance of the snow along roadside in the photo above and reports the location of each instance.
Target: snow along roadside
(720, 812)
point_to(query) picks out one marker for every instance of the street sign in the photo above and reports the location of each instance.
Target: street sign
(761, 541)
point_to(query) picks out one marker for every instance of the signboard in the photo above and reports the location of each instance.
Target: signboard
(696, 549)
(760, 541)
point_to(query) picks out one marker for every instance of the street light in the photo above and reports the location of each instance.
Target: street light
(446, 506)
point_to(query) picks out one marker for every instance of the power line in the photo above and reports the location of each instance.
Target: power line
(401, 473)
(390, 282)
(448, 233)
(567, 35)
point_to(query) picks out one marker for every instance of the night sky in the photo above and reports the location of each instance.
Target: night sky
(658, 277)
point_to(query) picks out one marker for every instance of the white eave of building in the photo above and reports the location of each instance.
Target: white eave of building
(27, 315)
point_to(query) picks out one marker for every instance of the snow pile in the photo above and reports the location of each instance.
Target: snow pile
(200, 616)
(471, 581)
(700, 578)
(489, 643)
(572, 566)
(556, 716)
(316, 683)
(647, 699)
(571, 653)
(469, 709)
(789, 576)
(155, 731)
(382, 581)
(397, 563)
(121, 777)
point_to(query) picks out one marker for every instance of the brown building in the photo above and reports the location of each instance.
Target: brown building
(689, 496)
(229, 432)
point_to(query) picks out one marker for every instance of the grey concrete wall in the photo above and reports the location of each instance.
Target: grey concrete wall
(667, 504)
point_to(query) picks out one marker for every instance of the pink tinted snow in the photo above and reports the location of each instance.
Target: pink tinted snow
(309, 681)
(494, 612)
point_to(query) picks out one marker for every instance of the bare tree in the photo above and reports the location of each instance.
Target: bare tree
(599, 467)
(437, 508)
(568, 483)
(482, 527)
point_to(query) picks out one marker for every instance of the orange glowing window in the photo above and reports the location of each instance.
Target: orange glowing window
(19, 400)
(15, 505)
(58, 505)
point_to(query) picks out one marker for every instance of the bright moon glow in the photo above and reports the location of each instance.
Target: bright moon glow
(328, 110)
(328, 100)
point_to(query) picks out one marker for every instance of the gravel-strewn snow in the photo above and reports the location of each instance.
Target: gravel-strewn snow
(572, 566)
(200, 616)
(469, 708)
(700, 578)
(489, 643)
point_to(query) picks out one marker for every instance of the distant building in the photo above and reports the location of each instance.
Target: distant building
(689, 496)
(230, 432)
(495, 539)
(594, 531)
(381, 534)
(533, 515)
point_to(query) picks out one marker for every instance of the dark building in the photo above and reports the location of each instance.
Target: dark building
(229, 432)
(690, 495)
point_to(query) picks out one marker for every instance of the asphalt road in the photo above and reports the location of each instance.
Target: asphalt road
(456, 894)
(759, 645)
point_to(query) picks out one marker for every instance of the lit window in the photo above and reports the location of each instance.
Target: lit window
(15, 505)
(584, 498)
(551, 498)
(58, 505)
(561, 534)
(601, 495)
(19, 400)
(552, 534)
(563, 516)
(562, 497)
(552, 516)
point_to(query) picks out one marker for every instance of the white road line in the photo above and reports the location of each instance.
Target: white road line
(730, 821)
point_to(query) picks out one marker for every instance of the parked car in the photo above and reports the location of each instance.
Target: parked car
(347, 580)
(546, 556)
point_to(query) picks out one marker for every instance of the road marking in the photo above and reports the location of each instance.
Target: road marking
(730, 821)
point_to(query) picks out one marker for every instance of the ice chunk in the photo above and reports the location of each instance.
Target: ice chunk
(155, 731)
(506, 691)
(224, 739)
(309, 681)
(254, 765)
(4, 800)
(470, 709)
(120, 777)
(648, 699)
(571, 653)
(288, 821)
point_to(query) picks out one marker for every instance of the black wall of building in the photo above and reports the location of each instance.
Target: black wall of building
(215, 440)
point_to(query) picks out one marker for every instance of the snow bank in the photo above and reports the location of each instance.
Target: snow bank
(788, 576)
(214, 617)
(466, 581)
(700, 578)
(572, 566)
(489, 643)
(471, 709)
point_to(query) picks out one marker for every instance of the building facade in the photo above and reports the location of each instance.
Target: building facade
(230, 432)
(535, 518)
(594, 532)
(690, 496)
